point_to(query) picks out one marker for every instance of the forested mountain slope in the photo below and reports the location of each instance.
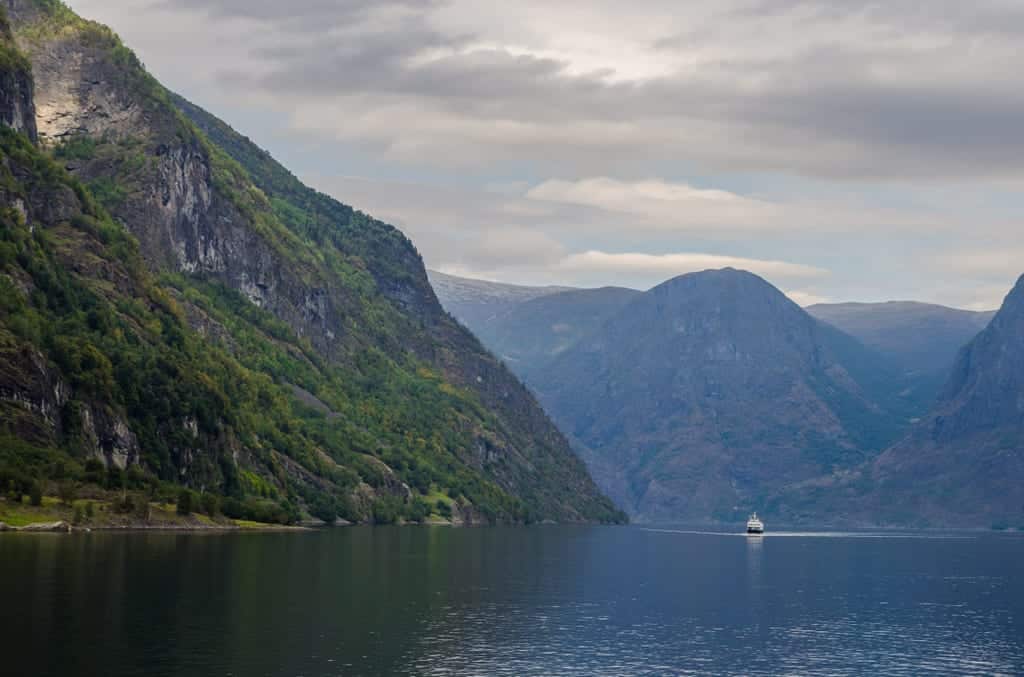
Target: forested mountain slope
(278, 346)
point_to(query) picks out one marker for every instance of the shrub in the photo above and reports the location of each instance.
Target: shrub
(386, 510)
(418, 510)
(66, 491)
(185, 502)
(211, 504)
(115, 478)
(255, 510)
(123, 504)
(141, 508)
(94, 471)
(35, 494)
(323, 507)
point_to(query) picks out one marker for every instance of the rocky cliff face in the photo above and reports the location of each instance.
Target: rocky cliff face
(528, 456)
(17, 105)
(119, 131)
(76, 89)
(702, 397)
(964, 463)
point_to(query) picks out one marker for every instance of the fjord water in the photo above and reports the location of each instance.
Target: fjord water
(510, 601)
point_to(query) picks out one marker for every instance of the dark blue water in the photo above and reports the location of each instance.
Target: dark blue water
(510, 601)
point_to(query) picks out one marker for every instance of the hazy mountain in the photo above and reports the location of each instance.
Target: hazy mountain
(920, 339)
(708, 393)
(920, 336)
(478, 303)
(179, 305)
(533, 333)
(964, 463)
(527, 326)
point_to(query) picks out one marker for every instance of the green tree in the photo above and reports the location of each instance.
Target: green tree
(35, 494)
(66, 491)
(419, 510)
(211, 504)
(324, 507)
(141, 507)
(185, 502)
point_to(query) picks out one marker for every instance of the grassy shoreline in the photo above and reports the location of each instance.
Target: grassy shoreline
(101, 515)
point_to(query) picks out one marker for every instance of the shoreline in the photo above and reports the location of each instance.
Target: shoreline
(62, 527)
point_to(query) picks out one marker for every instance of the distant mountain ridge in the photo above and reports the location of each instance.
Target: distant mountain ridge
(921, 336)
(478, 303)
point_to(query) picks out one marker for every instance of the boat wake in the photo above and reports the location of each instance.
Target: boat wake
(814, 534)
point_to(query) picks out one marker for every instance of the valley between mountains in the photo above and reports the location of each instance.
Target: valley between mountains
(713, 395)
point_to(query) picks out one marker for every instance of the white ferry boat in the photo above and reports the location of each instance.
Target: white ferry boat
(754, 525)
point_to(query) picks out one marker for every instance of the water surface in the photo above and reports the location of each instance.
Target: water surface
(510, 601)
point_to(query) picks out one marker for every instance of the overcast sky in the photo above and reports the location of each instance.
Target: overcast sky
(844, 149)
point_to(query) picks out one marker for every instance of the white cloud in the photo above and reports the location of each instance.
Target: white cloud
(658, 205)
(998, 263)
(663, 266)
(672, 204)
(806, 298)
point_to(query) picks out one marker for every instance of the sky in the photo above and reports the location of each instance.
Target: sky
(843, 149)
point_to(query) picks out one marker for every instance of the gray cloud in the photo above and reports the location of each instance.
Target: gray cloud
(893, 100)
(830, 88)
(307, 15)
(908, 16)
(620, 118)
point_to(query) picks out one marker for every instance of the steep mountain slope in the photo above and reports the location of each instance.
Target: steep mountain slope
(964, 463)
(706, 394)
(479, 304)
(327, 308)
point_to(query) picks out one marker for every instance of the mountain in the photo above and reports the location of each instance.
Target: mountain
(535, 332)
(526, 327)
(920, 336)
(710, 392)
(478, 303)
(180, 306)
(920, 339)
(963, 465)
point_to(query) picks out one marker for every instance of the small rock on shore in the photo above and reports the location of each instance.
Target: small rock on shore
(56, 527)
